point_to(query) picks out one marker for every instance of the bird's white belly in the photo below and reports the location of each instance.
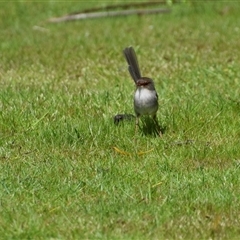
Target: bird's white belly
(145, 101)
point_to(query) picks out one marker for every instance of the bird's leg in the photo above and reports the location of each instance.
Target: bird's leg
(136, 129)
(137, 124)
(158, 128)
(155, 119)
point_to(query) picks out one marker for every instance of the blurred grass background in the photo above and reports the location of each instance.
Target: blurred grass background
(61, 85)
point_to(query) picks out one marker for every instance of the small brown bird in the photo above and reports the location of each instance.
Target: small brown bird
(145, 97)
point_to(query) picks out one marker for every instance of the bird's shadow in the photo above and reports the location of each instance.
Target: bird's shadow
(149, 126)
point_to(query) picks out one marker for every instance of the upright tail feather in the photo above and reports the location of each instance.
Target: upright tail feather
(133, 66)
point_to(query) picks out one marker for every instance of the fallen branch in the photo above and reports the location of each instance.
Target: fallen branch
(82, 16)
(122, 6)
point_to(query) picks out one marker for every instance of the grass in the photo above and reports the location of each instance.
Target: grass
(67, 172)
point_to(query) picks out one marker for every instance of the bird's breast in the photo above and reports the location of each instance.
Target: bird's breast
(144, 96)
(145, 101)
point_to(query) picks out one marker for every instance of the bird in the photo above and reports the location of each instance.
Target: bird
(145, 97)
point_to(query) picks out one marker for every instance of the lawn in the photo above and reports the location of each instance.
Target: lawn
(68, 172)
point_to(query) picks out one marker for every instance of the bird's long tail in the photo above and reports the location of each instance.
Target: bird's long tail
(133, 66)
